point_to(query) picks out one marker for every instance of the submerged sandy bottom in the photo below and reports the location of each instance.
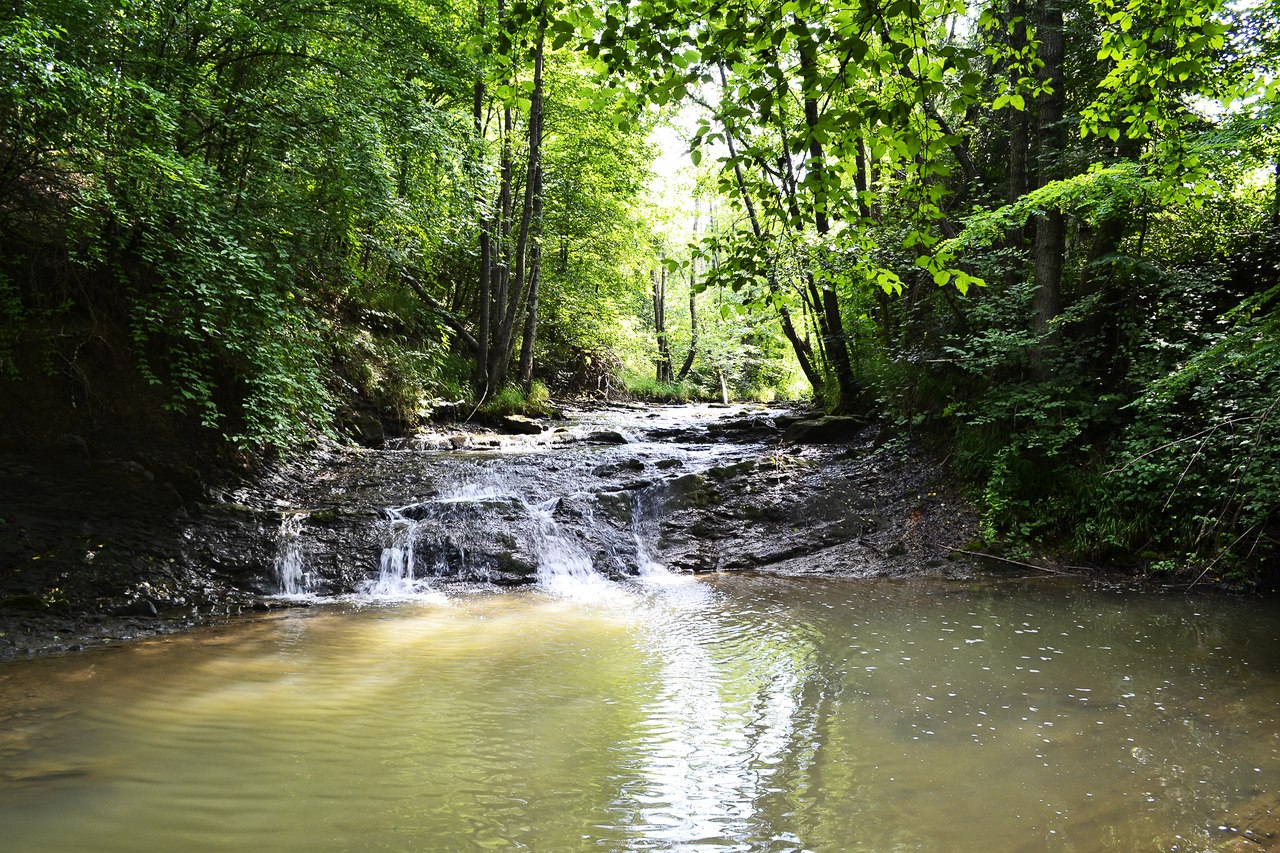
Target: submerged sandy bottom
(730, 712)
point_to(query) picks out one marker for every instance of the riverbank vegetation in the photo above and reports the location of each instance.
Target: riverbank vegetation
(1048, 236)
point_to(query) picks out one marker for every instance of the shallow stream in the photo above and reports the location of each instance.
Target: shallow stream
(727, 712)
(612, 705)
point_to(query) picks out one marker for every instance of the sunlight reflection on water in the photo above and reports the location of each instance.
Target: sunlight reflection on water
(736, 712)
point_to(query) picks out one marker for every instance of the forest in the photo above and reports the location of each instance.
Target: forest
(1042, 236)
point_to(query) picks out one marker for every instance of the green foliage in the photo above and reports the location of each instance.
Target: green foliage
(640, 387)
(283, 204)
(1095, 196)
(237, 176)
(1200, 464)
(404, 382)
(513, 400)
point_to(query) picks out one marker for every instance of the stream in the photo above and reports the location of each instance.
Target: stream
(509, 661)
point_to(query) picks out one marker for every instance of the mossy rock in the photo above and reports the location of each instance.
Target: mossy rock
(611, 469)
(34, 603)
(692, 490)
(729, 472)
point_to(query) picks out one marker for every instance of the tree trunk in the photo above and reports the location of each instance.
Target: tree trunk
(831, 322)
(1275, 202)
(514, 297)
(663, 362)
(1051, 229)
(486, 230)
(530, 338)
(499, 263)
(693, 305)
(531, 322)
(693, 333)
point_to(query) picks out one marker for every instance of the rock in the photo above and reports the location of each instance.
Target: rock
(606, 436)
(801, 510)
(828, 429)
(752, 426)
(633, 485)
(721, 473)
(682, 435)
(691, 490)
(614, 468)
(519, 425)
(140, 607)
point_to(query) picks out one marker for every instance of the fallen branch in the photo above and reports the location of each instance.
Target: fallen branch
(1011, 562)
(450, 319)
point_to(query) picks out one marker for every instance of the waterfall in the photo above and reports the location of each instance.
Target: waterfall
(290, 566)
(476, 529)
(564, 567)
(484, 528)
(396, 569)
(644, 523)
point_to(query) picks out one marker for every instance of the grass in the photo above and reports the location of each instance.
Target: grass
(512, 400)
(649, 389)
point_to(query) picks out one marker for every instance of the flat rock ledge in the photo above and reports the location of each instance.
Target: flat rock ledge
(102, 551)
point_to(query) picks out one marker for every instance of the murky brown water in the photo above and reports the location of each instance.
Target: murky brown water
(724, 713)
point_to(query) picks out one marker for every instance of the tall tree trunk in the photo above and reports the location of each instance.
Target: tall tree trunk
(531, 321)
(499, 259)
(1051, 229)
(1275, 202)
(662, 363)
(693, 333)
(535, 280)
(486, 227)
(514, 296)
(693, 305)
(831, 321)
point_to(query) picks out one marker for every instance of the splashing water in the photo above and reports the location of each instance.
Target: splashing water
(396, 577)
(644, 514)
(290, 565)
(444, 529)
(564, 568)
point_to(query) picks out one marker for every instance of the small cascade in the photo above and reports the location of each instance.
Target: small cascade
(484, 528)
(564, 567)
(396, 570)
(290, 564)
(644, 530)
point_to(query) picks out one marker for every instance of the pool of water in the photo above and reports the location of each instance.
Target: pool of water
(722, 713)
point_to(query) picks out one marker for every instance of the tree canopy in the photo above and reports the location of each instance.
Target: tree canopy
(1043, 234)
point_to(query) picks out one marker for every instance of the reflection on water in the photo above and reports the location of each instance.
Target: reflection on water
(732, 712)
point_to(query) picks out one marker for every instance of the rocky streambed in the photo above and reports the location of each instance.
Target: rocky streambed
(95, 550)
